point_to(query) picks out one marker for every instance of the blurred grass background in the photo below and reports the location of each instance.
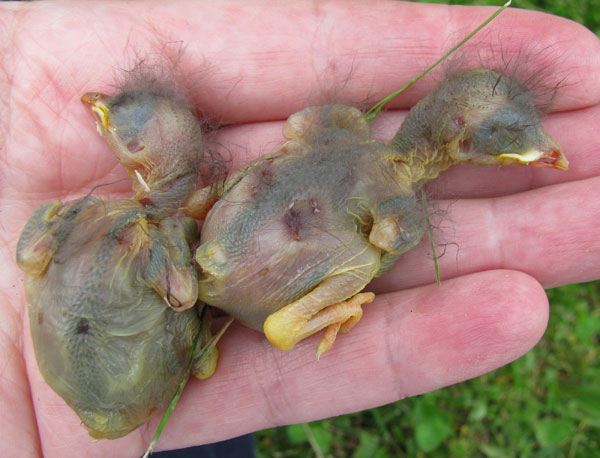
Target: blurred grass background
(546, 404)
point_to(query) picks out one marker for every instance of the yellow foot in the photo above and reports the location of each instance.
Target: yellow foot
(328, 339)
(207, 355)
(208, 366)
(286, 327)
(351, 309)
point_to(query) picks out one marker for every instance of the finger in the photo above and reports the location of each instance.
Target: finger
(241, 144)
(407, 343)
(304, 57)
(289, 56)
(550, 233)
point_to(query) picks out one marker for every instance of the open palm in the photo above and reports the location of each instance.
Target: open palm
(252, 64)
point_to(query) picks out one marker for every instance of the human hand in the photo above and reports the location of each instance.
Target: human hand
(261, 62)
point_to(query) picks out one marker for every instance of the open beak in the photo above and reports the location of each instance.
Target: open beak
(552, 157)
(98, 104)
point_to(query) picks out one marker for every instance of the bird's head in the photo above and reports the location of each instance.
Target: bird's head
(498, 123)
(158, 140)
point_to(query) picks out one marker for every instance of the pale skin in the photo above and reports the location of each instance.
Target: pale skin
(527, 229)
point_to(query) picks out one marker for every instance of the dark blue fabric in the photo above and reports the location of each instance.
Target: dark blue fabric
(238, 447)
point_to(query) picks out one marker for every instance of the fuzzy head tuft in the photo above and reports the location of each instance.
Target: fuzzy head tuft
(155, 134)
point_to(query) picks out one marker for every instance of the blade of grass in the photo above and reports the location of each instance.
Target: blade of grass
(376, 109)
(202, 355)
(312, 441)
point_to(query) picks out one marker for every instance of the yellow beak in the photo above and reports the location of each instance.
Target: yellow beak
(553, 157)
(98, 104)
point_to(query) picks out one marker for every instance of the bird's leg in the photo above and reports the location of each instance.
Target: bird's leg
(200, 202)
(340, 317)
(398, 225)
(326, 306)
(37, 243)
(313, 123)
(170, 270)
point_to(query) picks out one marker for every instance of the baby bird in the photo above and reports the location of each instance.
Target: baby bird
(298, 234)
(475, 117)
(103, 277)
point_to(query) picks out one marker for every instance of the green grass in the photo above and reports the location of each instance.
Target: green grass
(546, 404)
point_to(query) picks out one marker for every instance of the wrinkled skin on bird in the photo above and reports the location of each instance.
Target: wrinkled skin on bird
(298, 234)
(111, 284)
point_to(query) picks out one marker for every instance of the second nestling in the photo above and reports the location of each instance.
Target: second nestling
(298, 234)
(104, 278)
